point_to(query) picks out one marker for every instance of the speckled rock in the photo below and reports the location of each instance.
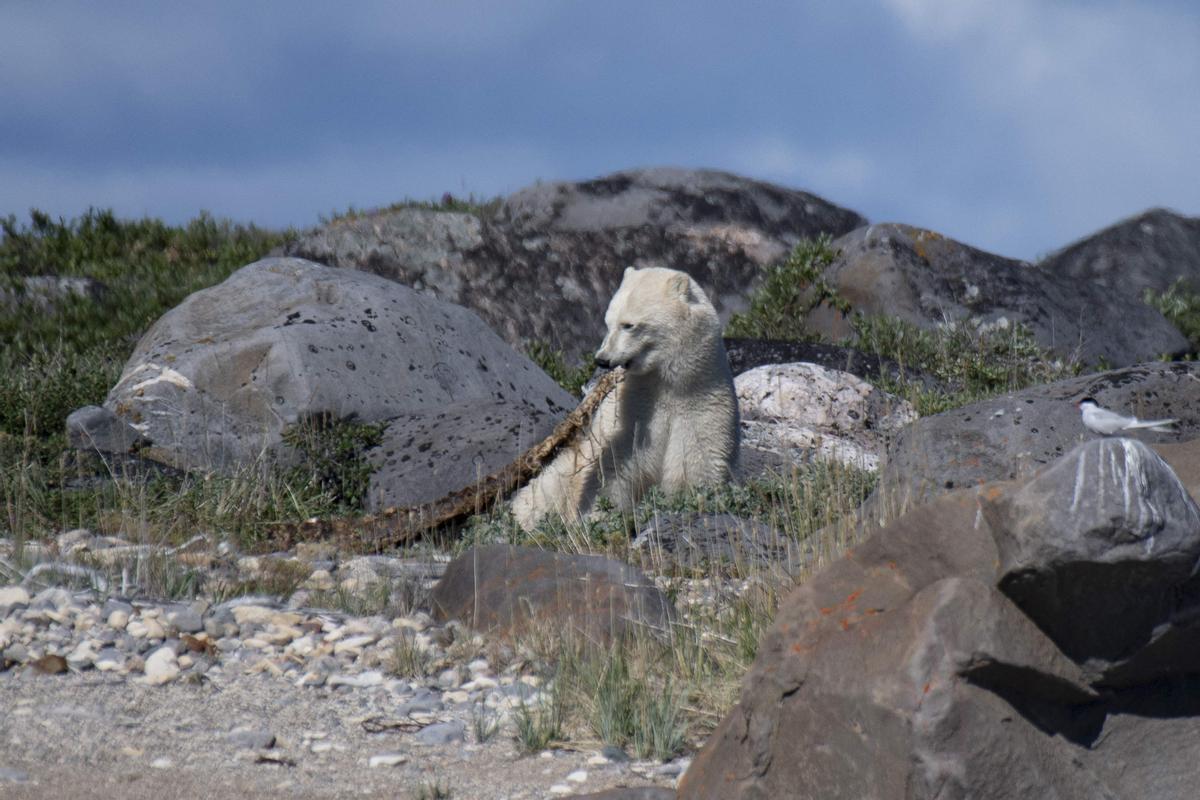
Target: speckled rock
(217, 379)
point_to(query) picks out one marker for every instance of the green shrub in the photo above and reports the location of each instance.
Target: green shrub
(972, 361)
(554, 363)
(1180, 303)
(788, 292)
(333, 458)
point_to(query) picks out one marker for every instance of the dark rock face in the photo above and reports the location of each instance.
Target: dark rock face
(507, 589)
(946, 657)
(924, 278)
(1149, 251)
(546, 263)
(1011, 435)
(215, 381)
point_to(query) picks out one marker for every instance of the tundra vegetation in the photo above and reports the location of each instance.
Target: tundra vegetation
(651, 695)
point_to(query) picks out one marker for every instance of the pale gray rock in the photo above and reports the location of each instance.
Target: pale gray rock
(283, 341)
(250, 738)
(98, 428)
(442, 733)
(802, 411)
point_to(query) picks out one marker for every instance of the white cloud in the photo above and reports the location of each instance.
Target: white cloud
(1099, 98)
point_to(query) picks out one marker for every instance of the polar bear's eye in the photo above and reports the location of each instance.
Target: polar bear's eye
(627, 326)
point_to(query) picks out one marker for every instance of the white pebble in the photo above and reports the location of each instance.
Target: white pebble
(386, 760)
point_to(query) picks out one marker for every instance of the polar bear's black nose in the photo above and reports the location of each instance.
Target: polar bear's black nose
(602, 362)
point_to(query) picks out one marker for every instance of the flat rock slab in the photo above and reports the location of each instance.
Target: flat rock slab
(507, 589)
(925, 278)
(217, 379)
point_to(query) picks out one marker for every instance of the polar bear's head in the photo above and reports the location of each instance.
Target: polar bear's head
(656, 316)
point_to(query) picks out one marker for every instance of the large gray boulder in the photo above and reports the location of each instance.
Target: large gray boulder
(1149, 251)
(544, 264)
(925, 278)
(425, 455)
(1101, 549)
(217, 379)
(1014, 434)
(1042, 648)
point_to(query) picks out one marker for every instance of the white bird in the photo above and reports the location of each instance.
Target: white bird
(1106, 423)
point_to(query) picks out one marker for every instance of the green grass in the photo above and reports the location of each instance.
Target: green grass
(1180, 304)
(54, 360)
(970, 361)
(481, 207)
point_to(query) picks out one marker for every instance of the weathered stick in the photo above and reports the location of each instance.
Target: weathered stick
(395, 526)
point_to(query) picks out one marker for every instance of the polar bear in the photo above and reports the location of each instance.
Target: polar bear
(673, 420)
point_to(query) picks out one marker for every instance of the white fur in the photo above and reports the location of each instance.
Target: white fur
(672, 422)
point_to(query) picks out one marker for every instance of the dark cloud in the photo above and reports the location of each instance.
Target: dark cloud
(1012, 126)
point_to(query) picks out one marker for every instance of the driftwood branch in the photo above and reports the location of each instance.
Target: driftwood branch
(396, 526)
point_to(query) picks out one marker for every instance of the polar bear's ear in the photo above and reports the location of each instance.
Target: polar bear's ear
(682, 285)
(629, 271)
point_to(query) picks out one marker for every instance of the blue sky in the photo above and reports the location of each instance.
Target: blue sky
(1015, 126)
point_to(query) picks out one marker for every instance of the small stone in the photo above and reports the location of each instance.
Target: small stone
(578, 776)
(246, 738)
(384, 759)
(51, 599)
(184, 619)
(614, 754)
(8, 775)
(161, 666)
(450, 678)
(146, 628)
(361, 681)
(311, 679)
(561, 789)
(162, 763)
(354, 644)
(442, 733)
(109, 659)
(50, 665)
(118, 619)
(319, 581)
(83, 656)
(321, 747)
(456, 697)
(13, 596)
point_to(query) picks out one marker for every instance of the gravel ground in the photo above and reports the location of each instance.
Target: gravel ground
(91, 735)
